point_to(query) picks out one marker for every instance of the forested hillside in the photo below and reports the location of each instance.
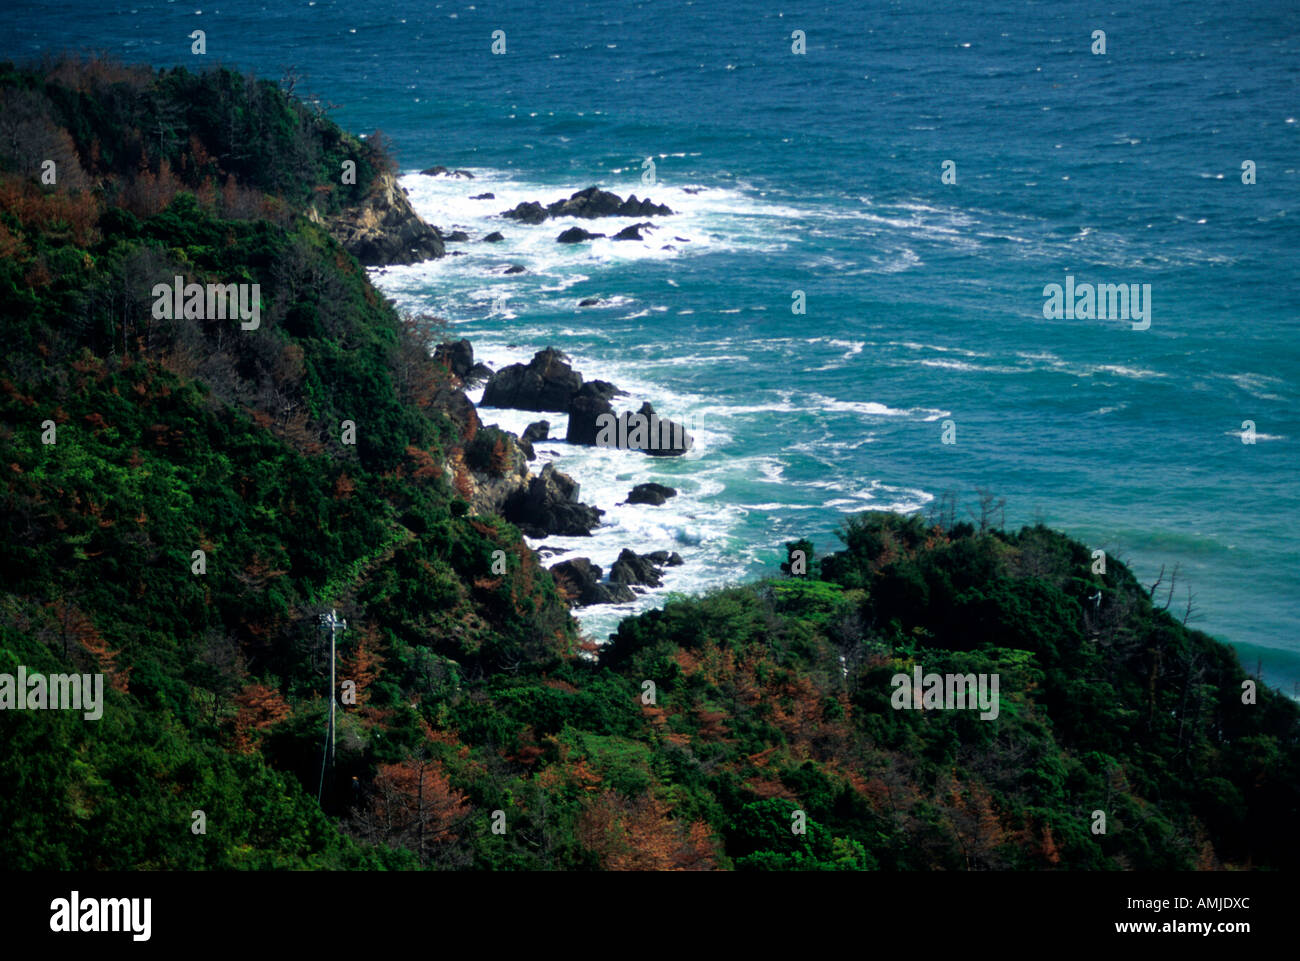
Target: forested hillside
(486, 732)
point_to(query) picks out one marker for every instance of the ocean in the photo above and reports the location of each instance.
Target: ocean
(822, 173)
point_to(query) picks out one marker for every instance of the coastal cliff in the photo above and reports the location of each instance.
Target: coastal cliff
(185, 495)
(383, 229)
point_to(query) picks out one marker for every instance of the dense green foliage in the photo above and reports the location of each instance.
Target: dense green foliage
(483, 733)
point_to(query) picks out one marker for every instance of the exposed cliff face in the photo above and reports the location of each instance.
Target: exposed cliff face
(493, 489)
(385, 229)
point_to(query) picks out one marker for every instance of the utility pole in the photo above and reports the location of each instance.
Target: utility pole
(331, 622)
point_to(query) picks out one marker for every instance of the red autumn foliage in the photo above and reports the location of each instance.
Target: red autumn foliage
(638, 835)
(258, 708)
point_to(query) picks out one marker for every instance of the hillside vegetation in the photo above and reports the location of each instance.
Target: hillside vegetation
(486, 732)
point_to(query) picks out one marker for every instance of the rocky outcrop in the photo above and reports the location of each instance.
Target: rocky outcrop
(600, 389)
(633, 232)
(547, 382)
(458, 357)
(576, 235)
(592, 422)
(441, 171)
(589, 302)
(634, 568)
(485, 196)
(550, 506)
(579, 580)
(665, 558)
(588, 204)
(384, 229)
(493, 238)
(537, 430)
(459, 408)
(530, 212)
(655, 494)
(499, 480)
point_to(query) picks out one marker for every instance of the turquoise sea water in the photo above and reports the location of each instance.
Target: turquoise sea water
(821, 173)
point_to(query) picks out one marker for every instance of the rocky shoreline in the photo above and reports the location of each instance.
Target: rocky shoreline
(494, 476)
(498, 480)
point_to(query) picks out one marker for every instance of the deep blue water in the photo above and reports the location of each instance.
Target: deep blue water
(821, 173)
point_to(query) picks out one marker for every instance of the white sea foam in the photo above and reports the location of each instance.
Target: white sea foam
(719, 494)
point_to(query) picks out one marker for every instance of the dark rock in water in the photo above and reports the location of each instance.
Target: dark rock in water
(602, 389)
(664, 438)
(594, 202)
(477, 375)
(546, 550)
(692, 190)
(579, 579)
(586, 408)
(546, 383)
(493, 238)
(589, 302)
(575, 235)
(632, 568)
(537, 430)
(667, 247)
(585, 417)
(665, 559)
(592, 422)
(589, 203)
(487, 196)
(551, 507)
(529, 212)
(633, 231)
(526, 446)
(384, 229)
(682, 239)
(457, 356)
(457, 237)
(441, 171)
(514, 269)
(655, 494)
